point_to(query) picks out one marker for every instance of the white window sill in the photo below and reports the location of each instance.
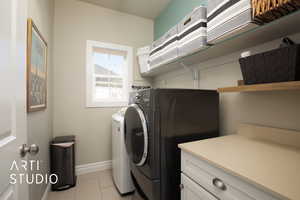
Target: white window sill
(107, 104)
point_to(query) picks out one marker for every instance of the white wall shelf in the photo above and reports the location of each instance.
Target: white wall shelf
(279, 28)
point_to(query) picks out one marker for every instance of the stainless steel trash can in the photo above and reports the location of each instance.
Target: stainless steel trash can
(62, 150)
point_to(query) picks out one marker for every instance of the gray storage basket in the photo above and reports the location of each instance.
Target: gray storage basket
(228, 18)
(169, 48)
(155, 54)
(192, 34)
(213, 5)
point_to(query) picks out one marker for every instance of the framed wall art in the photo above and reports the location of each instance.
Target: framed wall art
(36, 69)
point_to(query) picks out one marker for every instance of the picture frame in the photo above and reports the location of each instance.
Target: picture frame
(37, 50)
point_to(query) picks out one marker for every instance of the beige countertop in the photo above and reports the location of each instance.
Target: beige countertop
(266, 157)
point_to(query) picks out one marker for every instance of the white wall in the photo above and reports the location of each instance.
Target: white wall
(276, 109)
(40, 123)
(75, 23)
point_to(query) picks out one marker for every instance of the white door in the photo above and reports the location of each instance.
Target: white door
(13, 17)
(192, 191)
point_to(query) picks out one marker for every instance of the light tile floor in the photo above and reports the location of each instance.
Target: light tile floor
(92, 186)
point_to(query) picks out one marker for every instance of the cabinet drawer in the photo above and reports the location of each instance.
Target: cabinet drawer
(192, 191)
(218, 182)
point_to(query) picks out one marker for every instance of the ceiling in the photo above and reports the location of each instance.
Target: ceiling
(143, 8)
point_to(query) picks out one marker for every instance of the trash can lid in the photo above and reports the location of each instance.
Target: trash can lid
(61, 139)
(64, 144)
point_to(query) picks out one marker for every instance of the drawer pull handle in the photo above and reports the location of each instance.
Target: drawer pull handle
(219, 184)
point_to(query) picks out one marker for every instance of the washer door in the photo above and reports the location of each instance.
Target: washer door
(136, 135)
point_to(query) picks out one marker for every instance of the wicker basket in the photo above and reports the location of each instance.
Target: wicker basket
(265, 11)
(278, 65)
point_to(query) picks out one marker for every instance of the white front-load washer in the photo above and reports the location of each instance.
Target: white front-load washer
(120, 161)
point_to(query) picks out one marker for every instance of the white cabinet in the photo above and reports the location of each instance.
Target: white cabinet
(192, 191)
(205, 178)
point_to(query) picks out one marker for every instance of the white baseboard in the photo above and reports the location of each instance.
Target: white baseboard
(93, 167)
(46, 193)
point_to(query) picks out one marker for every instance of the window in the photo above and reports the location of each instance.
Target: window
(109, 69)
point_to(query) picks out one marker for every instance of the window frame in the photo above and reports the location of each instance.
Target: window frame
(90, 103)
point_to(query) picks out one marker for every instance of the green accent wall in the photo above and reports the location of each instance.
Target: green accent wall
(174, 13)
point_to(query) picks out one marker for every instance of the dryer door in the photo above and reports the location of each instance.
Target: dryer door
(136, 135)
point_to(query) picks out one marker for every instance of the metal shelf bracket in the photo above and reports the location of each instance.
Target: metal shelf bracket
(195, 74)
